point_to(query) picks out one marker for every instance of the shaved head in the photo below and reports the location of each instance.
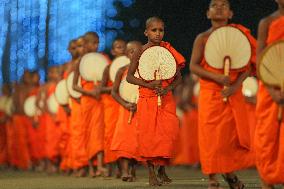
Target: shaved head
(150, 20)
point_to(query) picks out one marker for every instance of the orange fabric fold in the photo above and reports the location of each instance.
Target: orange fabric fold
(269, 134)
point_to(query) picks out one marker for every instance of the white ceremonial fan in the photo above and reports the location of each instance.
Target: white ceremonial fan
(52, 104)
(70, 89)
(250, 87)
(9, 106)
(61, 92)
(196, 89)
(227, 48)
(129, 93)
(3, 100)
(271, 67)
(92, 66)
(117, 63)
(30, 108)
(157, 63)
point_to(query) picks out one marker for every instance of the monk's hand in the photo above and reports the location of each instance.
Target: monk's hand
(131, 107)
(96, 93)
(276, 95)
(161, 91)
(154, 84)
(222, 79)
(229, 91)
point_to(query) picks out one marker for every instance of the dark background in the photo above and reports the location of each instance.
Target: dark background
(184, 19)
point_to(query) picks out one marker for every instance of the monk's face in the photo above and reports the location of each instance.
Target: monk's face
(72, 49)
(155, 32)
(80, 47)
(53, 73)
(219, 10)
(92, 45)
(35, 78)
(118, 48)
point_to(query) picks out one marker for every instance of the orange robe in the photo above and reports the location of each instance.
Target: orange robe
(187, 146)
(79, 157)
(158, 127)
(224, 142)
(53, 132)
(11, 150)
(3, 142)
(269, 134)
(124, 142)
(93, 121)
(250, 108)
(21, 123)
(110, 119)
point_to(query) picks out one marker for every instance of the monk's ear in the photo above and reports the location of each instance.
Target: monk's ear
(112, 52)
(231, 15)
(146, 33)
(208, 15)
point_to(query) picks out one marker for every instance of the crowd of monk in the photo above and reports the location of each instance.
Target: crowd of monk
(91, 135)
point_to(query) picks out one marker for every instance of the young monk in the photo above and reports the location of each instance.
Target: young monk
(187, 146)
(53, 132)
(92, 112)
(224, 142)
(269, 140)
(157, 126)
(79, 157)
(124, 142)
(6, 91)
(110, 107)
(21, 123)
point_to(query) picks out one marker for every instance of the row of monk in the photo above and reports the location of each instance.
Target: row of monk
(100, 127)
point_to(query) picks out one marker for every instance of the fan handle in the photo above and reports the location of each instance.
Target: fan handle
(158, 77)
(227, 65)
(280, 111)
(133, 99)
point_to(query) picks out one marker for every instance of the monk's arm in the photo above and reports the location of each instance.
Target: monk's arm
(75, 85)
(115, 89)
(196, 68)
(103, 86)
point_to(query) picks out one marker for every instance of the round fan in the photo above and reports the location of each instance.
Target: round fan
(117, 63)
(70, 89)
(128, 91)
(92, 66)
(3, 100)
(250, 87)
(196, 89)
(157, 63)
(271, 68)
(52, 104)
(9, 106)
(227, 42)
(30, 108)
(61, 92)
(271, 64)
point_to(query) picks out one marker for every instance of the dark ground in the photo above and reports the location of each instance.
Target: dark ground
(183, 178)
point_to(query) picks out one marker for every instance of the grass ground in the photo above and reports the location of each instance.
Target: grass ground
(183, 178)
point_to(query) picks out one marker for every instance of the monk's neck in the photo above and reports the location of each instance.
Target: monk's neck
(150, 43)
(281, 10)
(218, 24)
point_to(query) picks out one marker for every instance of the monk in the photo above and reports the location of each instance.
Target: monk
(6, 92)
(224, 142)
(53, 132)
(124, 142)
(110, 107)
(158, 127)
(63, 118)
(187, 146)
(269, 140)
(21, 123)
(79, 157)
(92, 112)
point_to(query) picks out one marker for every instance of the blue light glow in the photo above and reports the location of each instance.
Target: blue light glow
(33, 26)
